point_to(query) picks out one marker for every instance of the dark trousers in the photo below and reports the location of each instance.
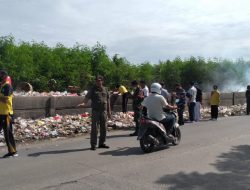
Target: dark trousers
(6, 125)
(191, 107)
(137, 117)
(180, 112)
(214, 111)
(99, 119)
(168, 123)
(248, 106)
(125, 102)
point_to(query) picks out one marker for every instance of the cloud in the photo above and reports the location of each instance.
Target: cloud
(140, 30)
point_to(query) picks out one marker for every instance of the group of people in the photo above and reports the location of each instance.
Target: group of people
(153, 102)
(140, 87)
(138, 93)
(193, 99)
(145, 101)
(179, 97)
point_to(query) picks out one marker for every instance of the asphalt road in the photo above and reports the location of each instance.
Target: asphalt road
(212, 155)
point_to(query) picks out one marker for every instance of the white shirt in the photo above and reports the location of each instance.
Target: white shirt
(145, 91)
(192, 91)
(154, 104)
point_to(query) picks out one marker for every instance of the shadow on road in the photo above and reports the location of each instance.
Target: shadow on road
(202, 120)
(57, 152)
(234, 173)
(124, 151)
(206, 120)
(117, 136)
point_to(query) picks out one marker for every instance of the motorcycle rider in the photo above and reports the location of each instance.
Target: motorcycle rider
(155, 103)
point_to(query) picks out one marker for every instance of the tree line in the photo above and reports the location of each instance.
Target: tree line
(37, 63)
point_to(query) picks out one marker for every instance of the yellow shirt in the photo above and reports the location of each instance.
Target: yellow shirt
(6, 107)
(215, 98)
(122, 90)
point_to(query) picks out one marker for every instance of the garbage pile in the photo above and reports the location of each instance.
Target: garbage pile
(63, 126)
(235, 110)
(51, 93)
(224, 111)
(51, 127)
(26, 89)
(73, 125)
(122, 120)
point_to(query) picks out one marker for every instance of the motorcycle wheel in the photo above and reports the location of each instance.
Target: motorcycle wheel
(147, 146)
(177, 135)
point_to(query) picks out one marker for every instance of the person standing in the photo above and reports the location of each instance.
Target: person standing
(248, 99)
(100, 105)
(180, 102)
(6, 114)
(144, 88)
(198, 103)
(191, 101)
(165, 93)
(124, 92)
(137, 97)
(215, 102)
(145, 91)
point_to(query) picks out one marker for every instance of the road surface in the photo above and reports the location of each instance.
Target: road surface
(212, 155)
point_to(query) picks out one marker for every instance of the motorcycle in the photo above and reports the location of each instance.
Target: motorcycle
(153, 134)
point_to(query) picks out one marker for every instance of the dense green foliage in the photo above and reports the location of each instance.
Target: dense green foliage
(37, 63)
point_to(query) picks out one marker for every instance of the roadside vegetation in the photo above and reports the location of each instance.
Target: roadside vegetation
(37, 63)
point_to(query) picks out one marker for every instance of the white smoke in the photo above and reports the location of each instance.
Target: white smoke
(230, 77)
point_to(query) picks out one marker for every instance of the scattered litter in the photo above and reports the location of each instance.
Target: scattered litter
(73, 125)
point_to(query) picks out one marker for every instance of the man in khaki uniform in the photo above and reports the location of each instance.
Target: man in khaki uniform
(100, 104)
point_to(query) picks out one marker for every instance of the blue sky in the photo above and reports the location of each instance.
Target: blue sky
(140, 30)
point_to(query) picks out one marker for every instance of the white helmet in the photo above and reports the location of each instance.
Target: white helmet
(156, 87)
